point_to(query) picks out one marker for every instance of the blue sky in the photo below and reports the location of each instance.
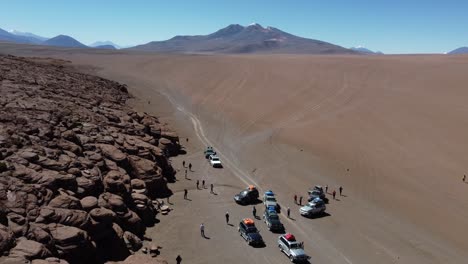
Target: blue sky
(412, 26)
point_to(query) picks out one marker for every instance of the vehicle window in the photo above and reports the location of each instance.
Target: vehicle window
(271, 199)
(244, 193)
(252, 229)
(294, 245)
(273, 216)
(283, 240)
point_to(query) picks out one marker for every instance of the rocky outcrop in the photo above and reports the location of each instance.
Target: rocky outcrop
(79, 170)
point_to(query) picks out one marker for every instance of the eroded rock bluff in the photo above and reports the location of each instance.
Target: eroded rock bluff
(79, 170)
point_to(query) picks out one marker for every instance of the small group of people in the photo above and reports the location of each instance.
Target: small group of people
(203, 186)
(296, 201)
(334, 191)
(189, 165)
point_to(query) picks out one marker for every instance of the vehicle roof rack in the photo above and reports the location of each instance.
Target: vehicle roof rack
(248, 221)
(290, 237)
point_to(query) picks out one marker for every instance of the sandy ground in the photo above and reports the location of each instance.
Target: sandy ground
(398, 123)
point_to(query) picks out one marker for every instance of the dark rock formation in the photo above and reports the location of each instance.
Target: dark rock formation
(78, 168)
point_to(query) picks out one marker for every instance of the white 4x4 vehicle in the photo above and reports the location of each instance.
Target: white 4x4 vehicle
(215, 161)
(293, 249)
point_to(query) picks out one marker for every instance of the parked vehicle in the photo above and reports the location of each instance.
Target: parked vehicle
(269, 200)
(314, 207)
(317, 192)
(208, 152)
(247, 196)
(271, 219)
(293, 249)
(249, 232)
(215, 161)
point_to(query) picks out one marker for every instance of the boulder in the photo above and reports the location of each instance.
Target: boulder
(132, 241)
(65, 201)
(88, 203)
(76, 218)
(117, 182)
(7, 239)
(29, 250)
(112, 153)
(72, 244)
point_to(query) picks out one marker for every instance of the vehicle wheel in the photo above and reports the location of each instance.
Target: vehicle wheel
(291, 258)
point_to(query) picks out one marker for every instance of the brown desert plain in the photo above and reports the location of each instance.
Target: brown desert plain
(392, 130)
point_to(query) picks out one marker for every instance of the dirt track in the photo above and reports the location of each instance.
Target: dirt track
(286, 123)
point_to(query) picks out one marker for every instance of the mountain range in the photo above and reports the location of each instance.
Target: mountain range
(100, 44)
(462, 50)
(64, 41)
(232, 39)
(366, 51)
(239, 39)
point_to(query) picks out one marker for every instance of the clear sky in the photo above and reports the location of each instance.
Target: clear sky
(392, 26)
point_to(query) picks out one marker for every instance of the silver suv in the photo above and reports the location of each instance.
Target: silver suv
(293, 249)
(315, 207)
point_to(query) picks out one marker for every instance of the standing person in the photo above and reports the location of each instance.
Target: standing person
(202, 230)
(185, 193)
(295, 199)
(190, 166)
(464, 178)
(341, 190)
(203, 184)
(326, 188)
(254, 212)
(334, 194)
(211, 187)
(289, 212)
(185, 174)
(300, 200)
(178, 259)
(183, 163)
(198, 182)
(227, 218)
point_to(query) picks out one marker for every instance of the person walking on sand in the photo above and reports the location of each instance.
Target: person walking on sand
(203, 184)
(178, 259)
(185, 174)
(202, 230)
(183, 163)
(190, 166)
(326, 188)
(227, 218)
(185, 194)
(300, 200)
(341, 190)
(198, 182)
(289, 212)
(295, 199)
(334, 194)
(254, 211)
(211, 188)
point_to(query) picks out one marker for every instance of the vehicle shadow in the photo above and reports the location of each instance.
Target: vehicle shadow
(259, 246)
(317, 216)
(279, 231)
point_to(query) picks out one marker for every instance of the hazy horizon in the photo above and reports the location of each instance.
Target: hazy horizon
(393, 28)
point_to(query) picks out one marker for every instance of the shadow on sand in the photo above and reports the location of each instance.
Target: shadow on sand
(322, 215)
